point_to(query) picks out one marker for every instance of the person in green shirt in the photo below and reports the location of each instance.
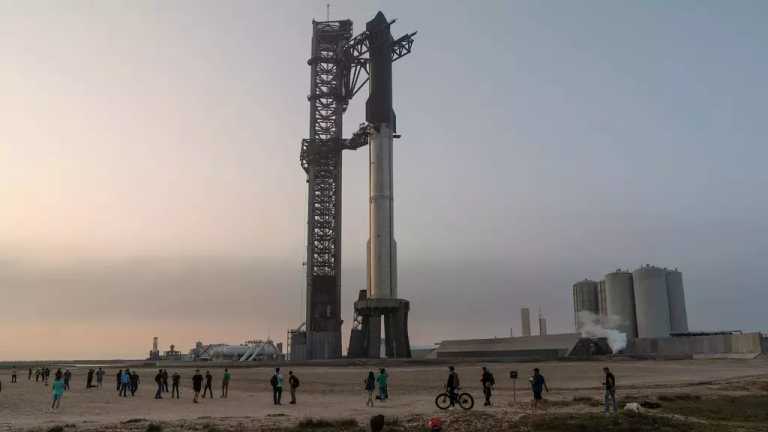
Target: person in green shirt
(383, 380)
(225, 383)
(58, 392)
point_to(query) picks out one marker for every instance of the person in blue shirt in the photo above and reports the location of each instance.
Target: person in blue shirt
(58, 392)
(538, 385)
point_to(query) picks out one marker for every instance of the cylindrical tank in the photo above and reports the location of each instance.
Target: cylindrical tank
(678, 317)
(620, 303)
(651, 302)
(601, 298)
(585, 298)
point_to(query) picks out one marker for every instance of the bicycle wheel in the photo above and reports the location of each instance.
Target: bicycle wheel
(466, 401)
(443, 401)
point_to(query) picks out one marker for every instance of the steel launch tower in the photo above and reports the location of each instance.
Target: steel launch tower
(338, 62)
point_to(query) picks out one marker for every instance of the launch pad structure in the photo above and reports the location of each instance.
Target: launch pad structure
(338, 65)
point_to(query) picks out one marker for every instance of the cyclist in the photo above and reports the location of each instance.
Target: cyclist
(452, 386)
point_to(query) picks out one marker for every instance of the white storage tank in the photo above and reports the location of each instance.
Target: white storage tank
(585, 298)
(620, 303)
(678, 317)
(651, 302)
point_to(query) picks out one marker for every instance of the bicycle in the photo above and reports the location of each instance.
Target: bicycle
(464, 400)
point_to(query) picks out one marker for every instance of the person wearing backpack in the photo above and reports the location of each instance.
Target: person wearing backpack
(488, 383)
(293, 383)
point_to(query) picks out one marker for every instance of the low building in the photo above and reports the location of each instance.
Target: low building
(546, 347)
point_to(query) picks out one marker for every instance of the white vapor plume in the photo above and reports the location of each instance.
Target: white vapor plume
(593, 326)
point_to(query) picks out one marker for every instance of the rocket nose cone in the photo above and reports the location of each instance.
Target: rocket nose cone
(377, 22)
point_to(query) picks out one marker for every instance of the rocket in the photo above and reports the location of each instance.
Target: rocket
(382, 248)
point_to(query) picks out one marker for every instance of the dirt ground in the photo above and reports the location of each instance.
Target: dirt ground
(337, 392)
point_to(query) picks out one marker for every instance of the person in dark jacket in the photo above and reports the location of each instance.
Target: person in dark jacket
(197, 384)
(159, 382)
(134, 378)
(165, 380)
(208, 384)
(119, 376)
(609, 384)
(370, 387)
(452, 386)
(293, 384)
(538, 385)
(67, 377)
(175, 389)
(488, 382)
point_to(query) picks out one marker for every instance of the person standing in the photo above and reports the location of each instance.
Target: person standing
(225, 383)
(134, 382)
(29, 377)
(165, 380)
(89, 379)
(99, 378)
(125, 383)
(197, 384)
(175, 389)
(13, 375)
(67, 378)
(452, 386)
(277, 386)
(58, 392)
(609, 384)
(488, 383)
(208, 384)
(293, 384)
(159, 382)
(119, 379)
(370, 387)
(383, 380)
(538, 384)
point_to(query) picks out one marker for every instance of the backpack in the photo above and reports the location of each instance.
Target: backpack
(295, 382)
(273, 381)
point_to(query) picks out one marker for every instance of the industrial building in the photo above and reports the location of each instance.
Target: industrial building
(252, 350)
(646, 303)
(524, 348)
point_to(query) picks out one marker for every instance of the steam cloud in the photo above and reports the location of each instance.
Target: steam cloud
(594, 326)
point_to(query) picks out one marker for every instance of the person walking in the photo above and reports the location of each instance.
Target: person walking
(225, 384)
(488, 382)
(67, 378)
(293, 384)
(452, 386)
(99, 378)
(175, 389)
(159, 382)
(208, 384)
(609, 385)
(134, 383)
(13, 375)
(370, 387)
(58, 392)
(165, 380)
(383, 381)
(538, 384)
(197, 384)
(277, 386)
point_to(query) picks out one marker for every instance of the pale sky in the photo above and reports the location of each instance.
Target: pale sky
(150, 184)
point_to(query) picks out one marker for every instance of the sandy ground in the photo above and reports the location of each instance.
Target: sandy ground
(337, 392)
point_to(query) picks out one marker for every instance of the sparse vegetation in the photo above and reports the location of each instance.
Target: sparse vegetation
(56, 429)
(678, 397)
(742, 409)
(318, 425)
(586, 400)
(134, 420)
(154, 427)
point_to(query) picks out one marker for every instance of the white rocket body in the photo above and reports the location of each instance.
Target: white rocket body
(382, 248)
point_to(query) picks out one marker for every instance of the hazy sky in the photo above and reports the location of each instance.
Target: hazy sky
(150, 184)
